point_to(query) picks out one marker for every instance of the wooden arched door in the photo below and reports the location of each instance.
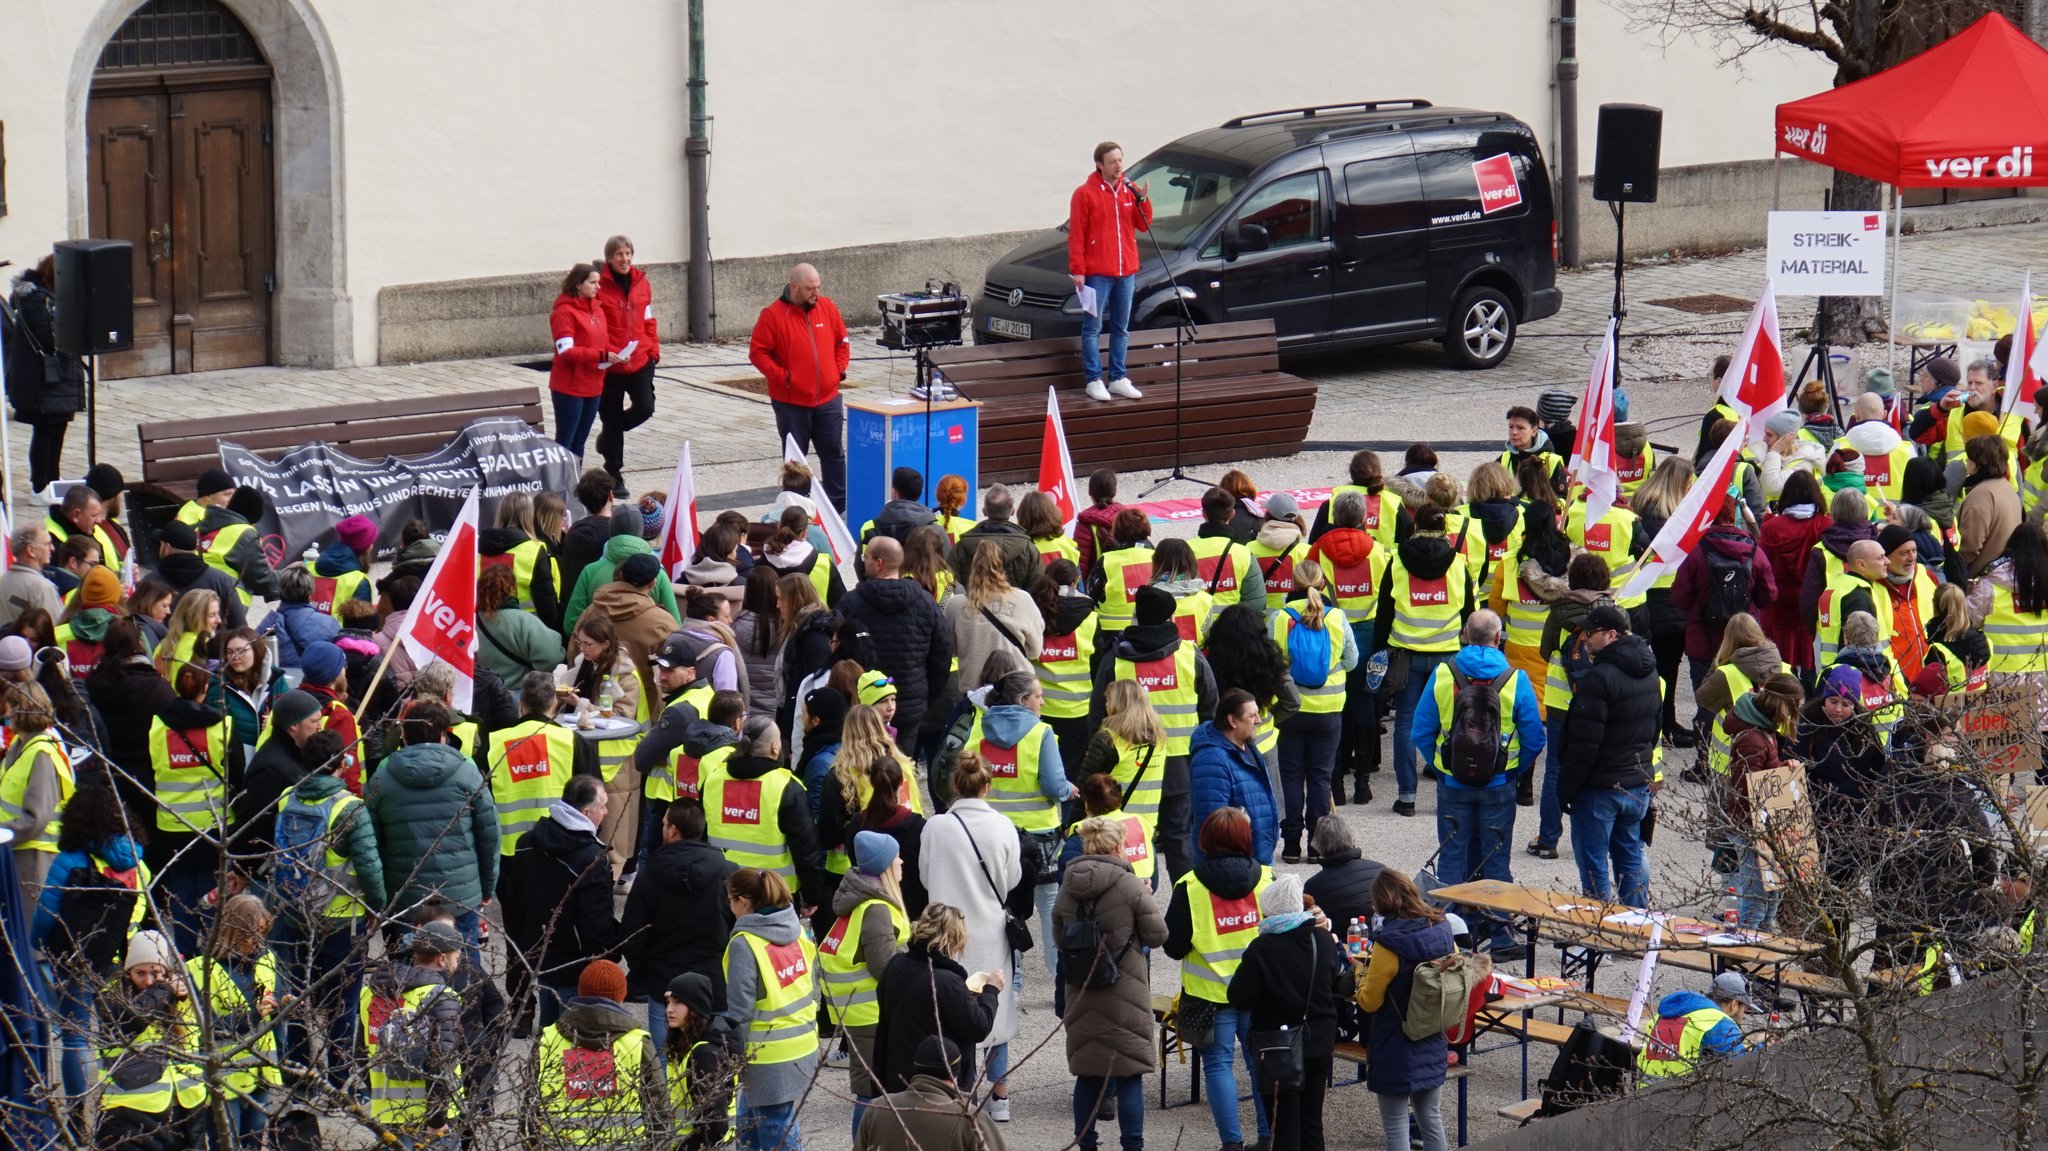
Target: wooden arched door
(179, 165)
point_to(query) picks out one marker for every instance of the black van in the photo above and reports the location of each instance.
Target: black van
(1347, 225)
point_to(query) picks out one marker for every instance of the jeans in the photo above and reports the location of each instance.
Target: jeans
(1754, 907)
(1130, 1103)
(71, 1004)
(1608, 825)
(182, 886)
(573, 417)
(1549, 814)
(771, 1128)
(1308, 753)
(1113, 303)
(1298, 1114)
(996, 1068)
(1421, 666)
(249, 1116)
(620, 387)
(823, 428)
(325, 968)
(1173, 836)
(1219, 1076)
(1044, 896)
(1476, 827)
(657, 1020)
(1428, 1117)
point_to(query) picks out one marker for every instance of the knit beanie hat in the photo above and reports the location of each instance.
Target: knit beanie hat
(214, 480)
(651, 515)
(358, 532)
(150, 947)
(105, 481)
(1783, 423)
(1154, 606)
(1944, 371)
(627, 521)
(102, 588)
(1979, 424)
(602, 979)
(179, 536)
(1878, 381)
(1891, 536)
(1845, 682)
(322, 662)
(15, 654)
(640, 570)
(873, 852)
(1555, 406)
(692, 989)
(1933, 680)
(293, 708)
(1281, 897)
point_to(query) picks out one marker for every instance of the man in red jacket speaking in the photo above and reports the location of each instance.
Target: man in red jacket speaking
(800, 346)
(1103, 221)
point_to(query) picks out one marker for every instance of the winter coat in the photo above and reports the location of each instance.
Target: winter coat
(1989, 513)
(437, 828)
(1149, 642)
(295, 625)
(1343, 888)
(1689, 590)
(1348, 547)
(247, 710)
(1481, 663)
(629, 317)
(807, 651)
(1021, 561)
(22, 588)
(897, 519)
(275, 770)
(1400, 1065)
(1836, 538)
(1094, 534)
(1223, 876)
(801, 557)
(766, 1084)
(581, 342)
(513, 642)
(117, 854)
(1723, 1038)
(1778, 467)
(1751, 748)
(190, 848)
(928, 1114)
(35, 306)
(582, 545)
(912, 638)
(799, 830)
(953, 877)
(974, 637)
(1110, 1029)
(906, 827)
(756, 636)
(185, 571)
(1222, 774)
(558, 900)
(127, 695)
(802, 351)
(355, 836)
(1788, 541)
(1293, 978)
(246, 558)
(443, 1018)
(1611, 729)
(679, 891)
(1103, 222)
(1757, 663)
(924, 993)
(604, 570)
(639, 623)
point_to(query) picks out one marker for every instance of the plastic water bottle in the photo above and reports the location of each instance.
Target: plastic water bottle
(1376, 670)
(1730, 913)
(605, 694)
(311, 553)
(1354, 937)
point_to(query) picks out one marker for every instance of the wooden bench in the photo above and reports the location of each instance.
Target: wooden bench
(175, 452)
(1523, 1113)
(1236, 404)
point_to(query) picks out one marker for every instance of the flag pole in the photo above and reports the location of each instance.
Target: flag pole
(376, 679)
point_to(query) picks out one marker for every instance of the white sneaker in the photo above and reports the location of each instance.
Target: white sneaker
(1122, 386)
(1098, 392)
(835, 1056)
(999, 1105)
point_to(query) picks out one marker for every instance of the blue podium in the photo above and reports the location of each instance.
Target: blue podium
(891, 432)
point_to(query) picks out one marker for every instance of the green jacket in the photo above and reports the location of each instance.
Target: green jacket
(602, 571)
(437, 828)
(357, 839)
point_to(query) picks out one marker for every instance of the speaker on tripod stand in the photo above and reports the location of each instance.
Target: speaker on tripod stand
(1625, 159)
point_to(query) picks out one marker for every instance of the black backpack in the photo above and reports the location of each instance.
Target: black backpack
(1085, 954)
(1727, 588)
(1590, 1068)
(1473, 751)
(93, 913)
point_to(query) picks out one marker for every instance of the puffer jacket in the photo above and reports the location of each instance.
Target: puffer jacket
(1611, 728)
(599, 572)
(437, 828)
(1788, 540)
(1222, 774)
(1110, 1029)
(558, 899)
(1400, 1065)
(1689, 591)
(1347, 547)
(913, 643)
(297, 624)
(1343, 888)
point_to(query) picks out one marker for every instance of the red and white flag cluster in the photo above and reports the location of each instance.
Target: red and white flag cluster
(1593, 452)
(441, 625)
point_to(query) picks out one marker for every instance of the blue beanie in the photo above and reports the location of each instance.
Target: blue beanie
(322, 662)
(873, 852)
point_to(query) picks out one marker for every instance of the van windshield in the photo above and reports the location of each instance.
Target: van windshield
(1187, 190)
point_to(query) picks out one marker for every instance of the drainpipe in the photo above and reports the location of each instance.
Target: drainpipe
(697, 178)
(1568, 132)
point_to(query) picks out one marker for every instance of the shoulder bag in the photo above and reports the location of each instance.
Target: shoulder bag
(1019, 934)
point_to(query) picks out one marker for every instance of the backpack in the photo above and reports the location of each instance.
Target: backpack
(93, 912)
(296, 869)
(1084, 953)
(405, 1036)
(1727, 588)
(1474, 751)
(1440, 996)
(1308, 652)
(1590, 1067)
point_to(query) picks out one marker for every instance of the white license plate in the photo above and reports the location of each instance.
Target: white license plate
(1014, 329)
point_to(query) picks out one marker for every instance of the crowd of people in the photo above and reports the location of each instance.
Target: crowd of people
(840, 816)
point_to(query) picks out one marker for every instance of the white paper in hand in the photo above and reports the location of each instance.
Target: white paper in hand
(631, 347)
(1088, 303)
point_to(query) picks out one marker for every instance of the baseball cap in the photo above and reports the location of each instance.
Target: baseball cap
(1606, 617)
(680, 649)
(1730, 986)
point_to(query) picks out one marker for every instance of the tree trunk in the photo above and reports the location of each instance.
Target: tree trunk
(1852, 319)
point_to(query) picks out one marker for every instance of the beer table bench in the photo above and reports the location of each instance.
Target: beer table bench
(1235, 402)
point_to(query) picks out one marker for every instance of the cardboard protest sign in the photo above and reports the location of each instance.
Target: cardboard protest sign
(1781, 813)
(1998, 726)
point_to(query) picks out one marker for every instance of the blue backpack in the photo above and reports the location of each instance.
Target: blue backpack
(301, 838)
(1308, 652)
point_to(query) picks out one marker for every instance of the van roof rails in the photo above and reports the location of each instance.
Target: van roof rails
(1348, 131)
(1320, 109)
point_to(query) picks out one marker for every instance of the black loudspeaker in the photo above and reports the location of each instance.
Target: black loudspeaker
(95, 297)
(1625, 154)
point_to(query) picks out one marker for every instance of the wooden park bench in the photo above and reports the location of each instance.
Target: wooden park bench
(1235, 402)
(175, 452)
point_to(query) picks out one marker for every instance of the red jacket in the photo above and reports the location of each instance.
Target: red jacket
(629, 316)
(802, 353)
(577, 325)
(1102, 228)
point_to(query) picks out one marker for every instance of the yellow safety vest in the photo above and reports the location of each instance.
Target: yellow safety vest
(1480, 555)
(1910, 615)
(1427, 611)
(1221, 563)
(617, 752)
(254, 1065)
(399, 1102)
(176, 654)
(1131, 760)
(531, 763)
(954, 526)
(1355, 588)
(591, 1096)
(1526, 612)
(1884, 700)
(1672, 1046)
(1124, 571)
(214, 549)
(851, 990)
(1720, 748)
(1062, 666)
(1277, 566)
(741, 817)
(1058, 548)
(330, 592)
(1828, 619)
(1557, 686)
(1961, 676)
(1443, 685)
(1222, 929)
(14, 779)
(2033, 486)
(1612, 539)
(1631, 471)
(1329, 698)
(1137, 848)
(191, 775)
(529, 561)
(1382, 513)
(785, 1023)
(1885, 475)
(685, 1107)
(1013, 777)
(80, 655)
(1552, 464)
(907, 795)
(2019, 640)
(191, 512)
(337, 871)
(1170, 683)
(1192, 612)
(177, 1079)
(663, 780)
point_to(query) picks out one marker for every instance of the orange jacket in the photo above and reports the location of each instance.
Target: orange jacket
(577, 326)
(629, 316)
(802, 352)
(1102, 228)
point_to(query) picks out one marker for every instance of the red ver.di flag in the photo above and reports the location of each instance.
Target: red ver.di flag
(442, 623)
(1593, 452)
(1055, 466)
(1682, 532)
(1755, 381)
(1498, 188)
(678, 540)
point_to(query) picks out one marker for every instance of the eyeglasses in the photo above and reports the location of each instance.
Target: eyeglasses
(240, 651)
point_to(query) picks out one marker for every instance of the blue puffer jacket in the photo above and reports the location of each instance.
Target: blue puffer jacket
(1222, 774)
(119, 854)
(1527, 722)
(1400, 1065)
(295, 625)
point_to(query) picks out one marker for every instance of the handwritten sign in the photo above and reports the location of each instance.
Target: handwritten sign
(1998, 726)
(1781, 813)
(2034, 805)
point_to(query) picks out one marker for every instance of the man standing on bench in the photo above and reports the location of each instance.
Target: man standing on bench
(800, 346)
(1103, 221)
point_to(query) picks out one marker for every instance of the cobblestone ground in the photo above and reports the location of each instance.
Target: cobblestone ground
(1383, 398)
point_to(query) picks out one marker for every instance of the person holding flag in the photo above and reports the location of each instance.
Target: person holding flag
(679, 528)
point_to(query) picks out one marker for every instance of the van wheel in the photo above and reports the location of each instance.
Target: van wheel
(1482, 329)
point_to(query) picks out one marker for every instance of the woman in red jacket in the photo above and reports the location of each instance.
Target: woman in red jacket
(582, 354)
(628, 401)
(1788, 539)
